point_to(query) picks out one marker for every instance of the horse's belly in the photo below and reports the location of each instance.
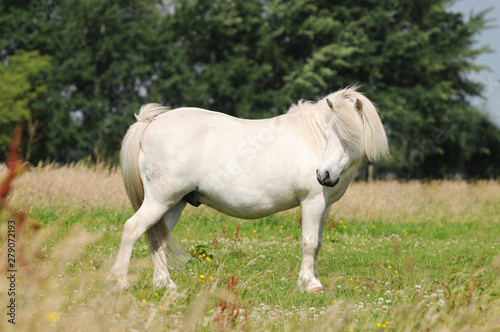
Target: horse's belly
(244, 206)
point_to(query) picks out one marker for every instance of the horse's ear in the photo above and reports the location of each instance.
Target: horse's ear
(359, 106)
(329, 103)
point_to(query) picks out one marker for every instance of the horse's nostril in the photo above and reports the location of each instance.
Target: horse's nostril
(327, 176)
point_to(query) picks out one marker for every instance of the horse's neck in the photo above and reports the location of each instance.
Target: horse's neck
(313, 119)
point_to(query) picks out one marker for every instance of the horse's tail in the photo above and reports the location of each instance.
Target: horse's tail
(129, 160)
(129, 153)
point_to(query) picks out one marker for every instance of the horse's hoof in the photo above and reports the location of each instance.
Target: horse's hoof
(314, 287)
(121, 283)
(169, 284)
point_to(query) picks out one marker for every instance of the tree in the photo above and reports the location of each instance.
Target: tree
(21, 87)
(254, 59)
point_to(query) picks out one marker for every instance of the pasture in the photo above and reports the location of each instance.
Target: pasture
(396, 256)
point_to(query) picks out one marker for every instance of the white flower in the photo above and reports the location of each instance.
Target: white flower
(441, 302)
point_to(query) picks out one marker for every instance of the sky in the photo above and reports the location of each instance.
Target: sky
(491, 79)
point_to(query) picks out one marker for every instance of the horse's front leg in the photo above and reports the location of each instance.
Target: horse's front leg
(313, 219)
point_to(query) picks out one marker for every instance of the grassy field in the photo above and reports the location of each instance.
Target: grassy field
(396, 256)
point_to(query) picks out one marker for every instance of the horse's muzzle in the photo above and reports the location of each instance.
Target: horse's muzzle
(326, 180)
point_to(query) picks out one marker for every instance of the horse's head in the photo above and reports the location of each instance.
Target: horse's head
(343, 140)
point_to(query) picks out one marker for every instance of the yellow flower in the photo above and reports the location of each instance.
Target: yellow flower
(53, 317)
(281, 226)
(156, 294)
(390, 267)
(208, 259)
(395, 271)
(144, 300)
(254, 231)
(160, 306)
(202, 276)
(379, 325)
(210, 277)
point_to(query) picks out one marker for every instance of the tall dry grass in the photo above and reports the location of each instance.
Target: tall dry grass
(80, 187)
(71, 186)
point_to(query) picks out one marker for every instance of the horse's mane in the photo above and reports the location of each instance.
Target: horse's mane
(364, 133)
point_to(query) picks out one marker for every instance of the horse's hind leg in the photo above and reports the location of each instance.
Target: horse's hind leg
(148, 214)
(158, 235)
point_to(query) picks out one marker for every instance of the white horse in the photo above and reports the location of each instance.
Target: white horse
(244, 168)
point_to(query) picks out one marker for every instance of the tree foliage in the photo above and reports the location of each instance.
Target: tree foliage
(253, 59)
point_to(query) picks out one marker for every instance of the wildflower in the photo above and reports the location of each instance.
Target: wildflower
(208, 259)
(281, 226)
(395, 271)
(156, 294)
(254, 231)
(441, 302)
(390, 267)
(210, 277)
(379, 325)
(202, 276)
(160, 306)
(53, 317)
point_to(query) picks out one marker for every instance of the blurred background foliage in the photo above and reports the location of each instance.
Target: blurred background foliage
(74, 72)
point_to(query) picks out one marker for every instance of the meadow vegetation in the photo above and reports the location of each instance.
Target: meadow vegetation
(409, 256)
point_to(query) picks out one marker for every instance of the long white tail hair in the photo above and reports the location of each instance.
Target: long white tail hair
(129, 160)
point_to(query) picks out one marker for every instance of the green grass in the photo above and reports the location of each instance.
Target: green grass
(418, 274)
